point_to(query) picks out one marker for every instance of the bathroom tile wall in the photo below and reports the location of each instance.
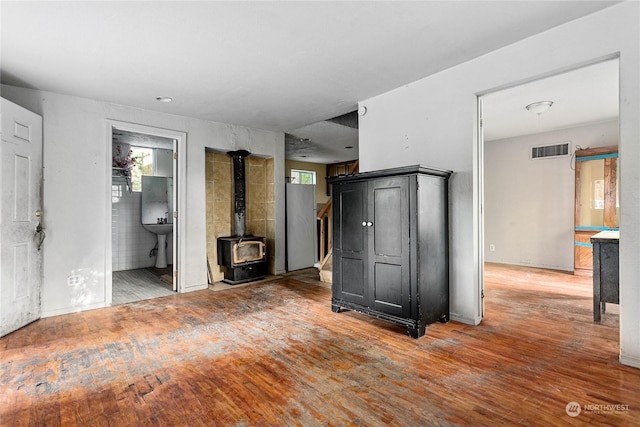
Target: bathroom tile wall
(260, 204)
(131, 243)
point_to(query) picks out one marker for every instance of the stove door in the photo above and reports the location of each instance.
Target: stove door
(247, 251)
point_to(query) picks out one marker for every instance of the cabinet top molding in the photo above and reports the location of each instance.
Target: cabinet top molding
(596, 151)
(404, 170)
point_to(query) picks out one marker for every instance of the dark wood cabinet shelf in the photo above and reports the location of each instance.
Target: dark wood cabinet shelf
(390, 245)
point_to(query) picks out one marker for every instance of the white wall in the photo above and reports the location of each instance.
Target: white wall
(163, 162)
(529, 204)
(76, 170)
(433, 121)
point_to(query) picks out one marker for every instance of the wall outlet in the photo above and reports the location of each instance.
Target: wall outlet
(74, 280)
(492, 247)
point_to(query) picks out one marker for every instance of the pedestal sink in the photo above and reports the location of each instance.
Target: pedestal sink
(161, 230)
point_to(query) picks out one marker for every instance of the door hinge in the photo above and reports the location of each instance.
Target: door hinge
(175, 273)
(175, 214)
(175, 156)
(482, 294)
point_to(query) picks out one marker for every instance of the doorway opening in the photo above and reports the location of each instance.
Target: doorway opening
(143, 206)
(528, 200)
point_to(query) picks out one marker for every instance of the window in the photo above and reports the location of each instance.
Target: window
(142, 165)
(302, 177)
(131, 163)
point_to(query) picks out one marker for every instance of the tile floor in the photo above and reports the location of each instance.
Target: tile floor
(137, 285)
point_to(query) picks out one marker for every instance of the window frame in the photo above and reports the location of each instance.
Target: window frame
(299, 172)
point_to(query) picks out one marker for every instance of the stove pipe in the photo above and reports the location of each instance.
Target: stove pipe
(239, 193)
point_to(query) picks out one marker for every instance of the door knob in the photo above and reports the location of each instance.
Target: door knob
(364, 223)
(38, 213)
(369, 224)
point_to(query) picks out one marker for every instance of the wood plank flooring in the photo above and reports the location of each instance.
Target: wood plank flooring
(273, 354)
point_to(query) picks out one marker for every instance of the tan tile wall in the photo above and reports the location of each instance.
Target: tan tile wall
(260, 205)
(270, 217)
(219, 187)
(256, 189)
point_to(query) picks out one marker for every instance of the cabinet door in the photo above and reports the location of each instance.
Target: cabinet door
(350, 245)
(388, 240)
(596, 201)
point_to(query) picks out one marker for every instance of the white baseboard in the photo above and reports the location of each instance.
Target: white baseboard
(473, 321)
(633, 361)
(194, 288)
(69, 310)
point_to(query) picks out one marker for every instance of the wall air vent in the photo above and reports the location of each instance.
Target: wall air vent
(549, 151)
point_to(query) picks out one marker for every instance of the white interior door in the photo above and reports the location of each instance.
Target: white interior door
(301, 226)
(20, 215)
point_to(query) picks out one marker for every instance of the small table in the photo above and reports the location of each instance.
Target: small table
(605, 271)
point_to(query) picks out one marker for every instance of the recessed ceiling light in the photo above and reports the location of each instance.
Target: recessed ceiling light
(164, 98)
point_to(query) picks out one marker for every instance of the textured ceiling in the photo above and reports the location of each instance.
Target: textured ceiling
(269, 65)
(324, 142)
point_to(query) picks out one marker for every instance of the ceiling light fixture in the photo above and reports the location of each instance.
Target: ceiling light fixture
(164, 99)
(539, 107)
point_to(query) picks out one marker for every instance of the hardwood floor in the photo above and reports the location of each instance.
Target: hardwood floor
(273, 354)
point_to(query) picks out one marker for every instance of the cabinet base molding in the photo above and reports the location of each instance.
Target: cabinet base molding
(415, 329)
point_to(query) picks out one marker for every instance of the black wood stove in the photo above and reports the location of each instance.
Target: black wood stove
(243, 257)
